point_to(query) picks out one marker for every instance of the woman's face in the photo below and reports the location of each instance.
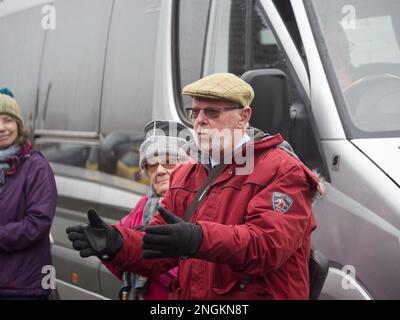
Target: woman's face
(8, 131)
(159, 172)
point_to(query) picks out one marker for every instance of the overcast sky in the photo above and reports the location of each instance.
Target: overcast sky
(7, 6)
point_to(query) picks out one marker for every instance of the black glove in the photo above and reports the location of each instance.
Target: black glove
(96, 239)
(175, 239)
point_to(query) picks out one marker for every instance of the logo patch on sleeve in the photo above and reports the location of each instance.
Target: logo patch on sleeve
(281, 202)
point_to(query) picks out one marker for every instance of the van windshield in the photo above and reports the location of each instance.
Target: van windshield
(359, 41)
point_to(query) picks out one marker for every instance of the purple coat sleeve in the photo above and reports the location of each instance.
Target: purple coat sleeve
(41, 199)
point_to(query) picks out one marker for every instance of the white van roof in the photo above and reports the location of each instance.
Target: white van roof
(11, 6)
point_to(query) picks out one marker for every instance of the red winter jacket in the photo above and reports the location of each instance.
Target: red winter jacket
(157, 287)
(256, 227)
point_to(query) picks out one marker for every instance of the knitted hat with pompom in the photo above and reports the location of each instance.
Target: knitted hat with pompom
(9, 106)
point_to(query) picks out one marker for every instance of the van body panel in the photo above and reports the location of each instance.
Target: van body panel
(128, 74)
(79, 275)
(24, 52)
(70, 93)
(163, 97)
(384, 152)
(10, 7)
(359, 220)
(67, 291)
(96, 192)
(322, 103)
(74, 198)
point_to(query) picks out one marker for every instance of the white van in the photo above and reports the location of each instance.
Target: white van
(327, 77)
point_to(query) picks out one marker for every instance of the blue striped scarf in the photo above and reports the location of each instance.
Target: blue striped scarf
(5, 157)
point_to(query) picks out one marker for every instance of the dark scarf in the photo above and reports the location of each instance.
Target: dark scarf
(136, 282)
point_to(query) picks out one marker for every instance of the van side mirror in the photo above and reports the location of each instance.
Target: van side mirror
(271, 110)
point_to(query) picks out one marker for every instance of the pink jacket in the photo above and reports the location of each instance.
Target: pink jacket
(157, 287)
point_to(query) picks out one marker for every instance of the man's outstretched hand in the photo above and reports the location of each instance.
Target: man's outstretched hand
(95, 239)
(177, 238)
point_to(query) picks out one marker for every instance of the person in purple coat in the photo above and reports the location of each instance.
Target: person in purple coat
(28, 197)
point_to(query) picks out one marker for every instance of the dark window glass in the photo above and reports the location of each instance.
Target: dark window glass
(193, 18)
(265, 51)
(115, 161)
(237, 37)
(210, 40)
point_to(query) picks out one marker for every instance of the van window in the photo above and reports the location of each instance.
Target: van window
(235, 36)
(73, 60)
(118, 107)
(362, 55)
(374, 41)
(115, 161)
(118, 155)
(21, 47)
(235, 42)
(192, 27)
(265, 50)
(127, 99)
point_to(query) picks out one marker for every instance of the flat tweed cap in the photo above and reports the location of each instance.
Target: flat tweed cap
(223, 86)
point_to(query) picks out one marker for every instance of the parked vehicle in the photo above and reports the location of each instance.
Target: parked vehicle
(326, 75)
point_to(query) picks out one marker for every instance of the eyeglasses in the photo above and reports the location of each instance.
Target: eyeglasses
(210, 112)
(169, 163)
(151, 168)
(7, 122)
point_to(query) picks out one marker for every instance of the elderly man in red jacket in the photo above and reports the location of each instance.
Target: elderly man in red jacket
(236, 229)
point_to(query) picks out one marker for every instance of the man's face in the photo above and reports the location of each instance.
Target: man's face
(215, 135)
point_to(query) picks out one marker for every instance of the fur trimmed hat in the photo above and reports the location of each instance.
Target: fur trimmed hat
(163, 138)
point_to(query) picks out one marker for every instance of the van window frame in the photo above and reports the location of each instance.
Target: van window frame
(176, 66)
(176, 78)
(350, 130)
(302, 96)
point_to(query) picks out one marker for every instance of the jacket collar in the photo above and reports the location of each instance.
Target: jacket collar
(259, 140)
